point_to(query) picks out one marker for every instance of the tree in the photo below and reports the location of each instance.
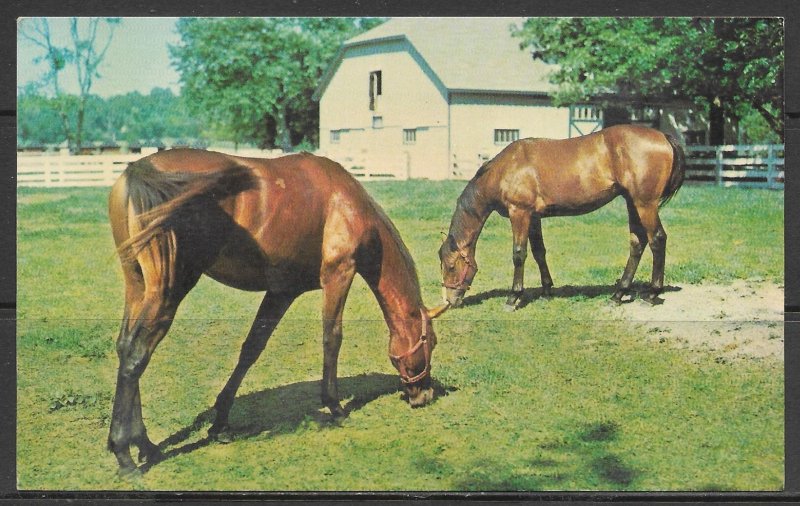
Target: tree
(727, 65)
(131, 118)
(37, 119)
(253, 77)
(86, 53)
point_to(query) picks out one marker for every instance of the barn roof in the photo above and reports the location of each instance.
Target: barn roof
(465, 54)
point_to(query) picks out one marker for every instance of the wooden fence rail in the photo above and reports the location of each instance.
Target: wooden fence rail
(752, 166)
(56, 171)
(755, 166)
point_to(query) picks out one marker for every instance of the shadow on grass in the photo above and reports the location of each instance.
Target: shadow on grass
(565, 292)
(284, 410)
(585, 455)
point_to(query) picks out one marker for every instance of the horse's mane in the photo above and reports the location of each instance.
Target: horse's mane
(394, 234)
(467, 202)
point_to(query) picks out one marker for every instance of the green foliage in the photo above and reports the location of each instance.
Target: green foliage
(76, 400)
(253, 78)
(733, 63)
(90, 38)
(38, 122)
(131, 118)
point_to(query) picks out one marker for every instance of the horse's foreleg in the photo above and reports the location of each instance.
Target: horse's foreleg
(336, 280)
(638, 241)
(520, 226)
(539, 254)
(272, 309)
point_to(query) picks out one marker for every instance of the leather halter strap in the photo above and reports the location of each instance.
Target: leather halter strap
(426, 348)
(462, 280)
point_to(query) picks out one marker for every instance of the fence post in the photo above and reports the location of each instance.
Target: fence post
(771, 179)
(718, 166)
(49, 177)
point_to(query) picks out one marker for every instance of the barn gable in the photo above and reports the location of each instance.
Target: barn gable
(462, 54)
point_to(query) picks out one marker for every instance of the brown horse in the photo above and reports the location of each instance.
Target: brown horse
(283, 226)
(535, 178)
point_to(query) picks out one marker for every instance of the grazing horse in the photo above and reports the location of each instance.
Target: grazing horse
(535, 178)
(284, 226)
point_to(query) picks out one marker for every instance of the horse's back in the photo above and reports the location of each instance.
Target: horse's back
(269, 232)
(581, 174)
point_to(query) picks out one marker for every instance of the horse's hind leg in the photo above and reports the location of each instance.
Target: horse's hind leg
(657, 237)
(638, 241)
(539, 253)
(148, 451)
(272, 309)
(150, 308)
(520, 228)
(148, 324)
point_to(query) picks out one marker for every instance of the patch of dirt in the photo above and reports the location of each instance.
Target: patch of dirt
(740, 320)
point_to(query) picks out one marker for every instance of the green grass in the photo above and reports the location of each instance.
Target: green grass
(551, 397)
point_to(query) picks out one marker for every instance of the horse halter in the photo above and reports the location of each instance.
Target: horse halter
(426, 349)
(462, 280)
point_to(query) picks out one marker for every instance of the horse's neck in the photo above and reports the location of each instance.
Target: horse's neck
(472, 210)
(396, 287)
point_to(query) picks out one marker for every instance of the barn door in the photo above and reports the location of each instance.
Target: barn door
(584, 119)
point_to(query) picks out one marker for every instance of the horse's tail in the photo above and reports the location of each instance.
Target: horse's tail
(157, 199)
(678, 171)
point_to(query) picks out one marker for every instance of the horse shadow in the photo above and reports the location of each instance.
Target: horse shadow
(530, 295)
(282, 410)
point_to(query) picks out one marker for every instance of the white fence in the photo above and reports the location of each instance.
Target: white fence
(61, 170)
(366, 166)
(752, 166)
(756, 166)
(64, 170)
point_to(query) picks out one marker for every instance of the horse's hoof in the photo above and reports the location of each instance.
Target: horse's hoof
(509, 308)
(652, 300)
(221, 434)
(619, 298)
(129, 473)
(337, 412)
(150, 456)
(224, 437)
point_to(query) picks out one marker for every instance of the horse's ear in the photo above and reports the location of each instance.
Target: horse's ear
(437, 311)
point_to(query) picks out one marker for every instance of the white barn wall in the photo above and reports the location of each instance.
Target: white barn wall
(411, 98)
(474, 119)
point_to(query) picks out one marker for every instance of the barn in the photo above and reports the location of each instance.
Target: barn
(435, 97)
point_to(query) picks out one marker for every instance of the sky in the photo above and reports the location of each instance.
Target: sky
(137, 60)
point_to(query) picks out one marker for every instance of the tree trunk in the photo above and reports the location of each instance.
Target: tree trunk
(716, 122)
(284, 136)
(79, 125)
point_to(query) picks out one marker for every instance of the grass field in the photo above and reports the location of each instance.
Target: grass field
(555, 396)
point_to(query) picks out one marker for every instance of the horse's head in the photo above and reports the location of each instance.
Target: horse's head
(414, 364)
(458, 270)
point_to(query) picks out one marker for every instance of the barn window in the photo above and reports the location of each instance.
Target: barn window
(375, 89)
(336, 136)
(505, 135)
(377, 122)
(409, 136)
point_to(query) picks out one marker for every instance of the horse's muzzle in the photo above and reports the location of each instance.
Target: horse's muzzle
(419, 396)
(453, 296)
